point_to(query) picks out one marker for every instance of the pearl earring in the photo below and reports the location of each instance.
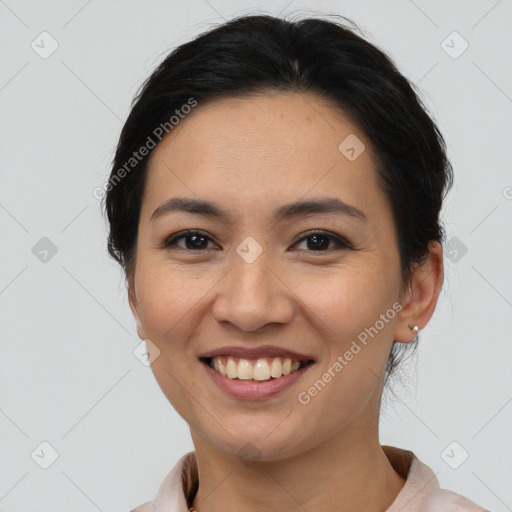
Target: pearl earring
(414, 328)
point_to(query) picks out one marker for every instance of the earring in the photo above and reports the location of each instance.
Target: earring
(414, 328)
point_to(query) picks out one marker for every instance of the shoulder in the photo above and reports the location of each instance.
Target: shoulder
(422, 492)
(176, 489)
(145, 507)
(437, 498)
(449, 501)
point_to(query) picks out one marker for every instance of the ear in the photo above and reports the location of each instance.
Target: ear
(134, 306)
(420, 300)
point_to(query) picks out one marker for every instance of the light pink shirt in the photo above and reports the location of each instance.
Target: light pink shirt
(421, 492)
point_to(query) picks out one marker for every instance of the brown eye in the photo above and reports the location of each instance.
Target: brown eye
(316, 241)
(319, 241)
(193, 240)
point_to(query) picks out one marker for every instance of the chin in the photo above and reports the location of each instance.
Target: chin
(261, 445)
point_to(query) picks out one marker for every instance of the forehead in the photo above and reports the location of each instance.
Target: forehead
(266, 148)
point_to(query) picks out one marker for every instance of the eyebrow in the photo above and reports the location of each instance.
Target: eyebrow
(287, 211)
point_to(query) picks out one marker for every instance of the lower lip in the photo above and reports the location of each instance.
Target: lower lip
(252, 389)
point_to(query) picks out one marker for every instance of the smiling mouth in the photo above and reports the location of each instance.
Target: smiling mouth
(258, 369)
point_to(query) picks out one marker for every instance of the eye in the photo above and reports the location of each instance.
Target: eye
(193, 240)
(318, 241)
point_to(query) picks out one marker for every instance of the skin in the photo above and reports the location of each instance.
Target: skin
(251, 155)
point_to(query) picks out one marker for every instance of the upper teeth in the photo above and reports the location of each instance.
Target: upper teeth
(259, 369)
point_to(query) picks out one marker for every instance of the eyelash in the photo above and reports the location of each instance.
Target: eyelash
(340, 241)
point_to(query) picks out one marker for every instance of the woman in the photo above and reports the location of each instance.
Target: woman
(274, 202)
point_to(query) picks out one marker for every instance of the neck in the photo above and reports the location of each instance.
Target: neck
(346, 472)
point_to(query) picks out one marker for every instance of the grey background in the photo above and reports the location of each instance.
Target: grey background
(68, 375)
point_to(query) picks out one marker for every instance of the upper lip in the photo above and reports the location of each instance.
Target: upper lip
(262, 351)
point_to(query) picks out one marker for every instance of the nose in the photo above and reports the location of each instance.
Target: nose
(253, 295)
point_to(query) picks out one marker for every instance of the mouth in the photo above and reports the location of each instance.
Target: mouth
(257, 369)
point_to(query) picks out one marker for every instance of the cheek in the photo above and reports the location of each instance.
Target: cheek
(171, 305)
(356, 344)
(168, 298)
(349, 300)
(337, 399)
(354, 318)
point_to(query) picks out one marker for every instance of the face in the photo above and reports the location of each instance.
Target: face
(251, 279)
